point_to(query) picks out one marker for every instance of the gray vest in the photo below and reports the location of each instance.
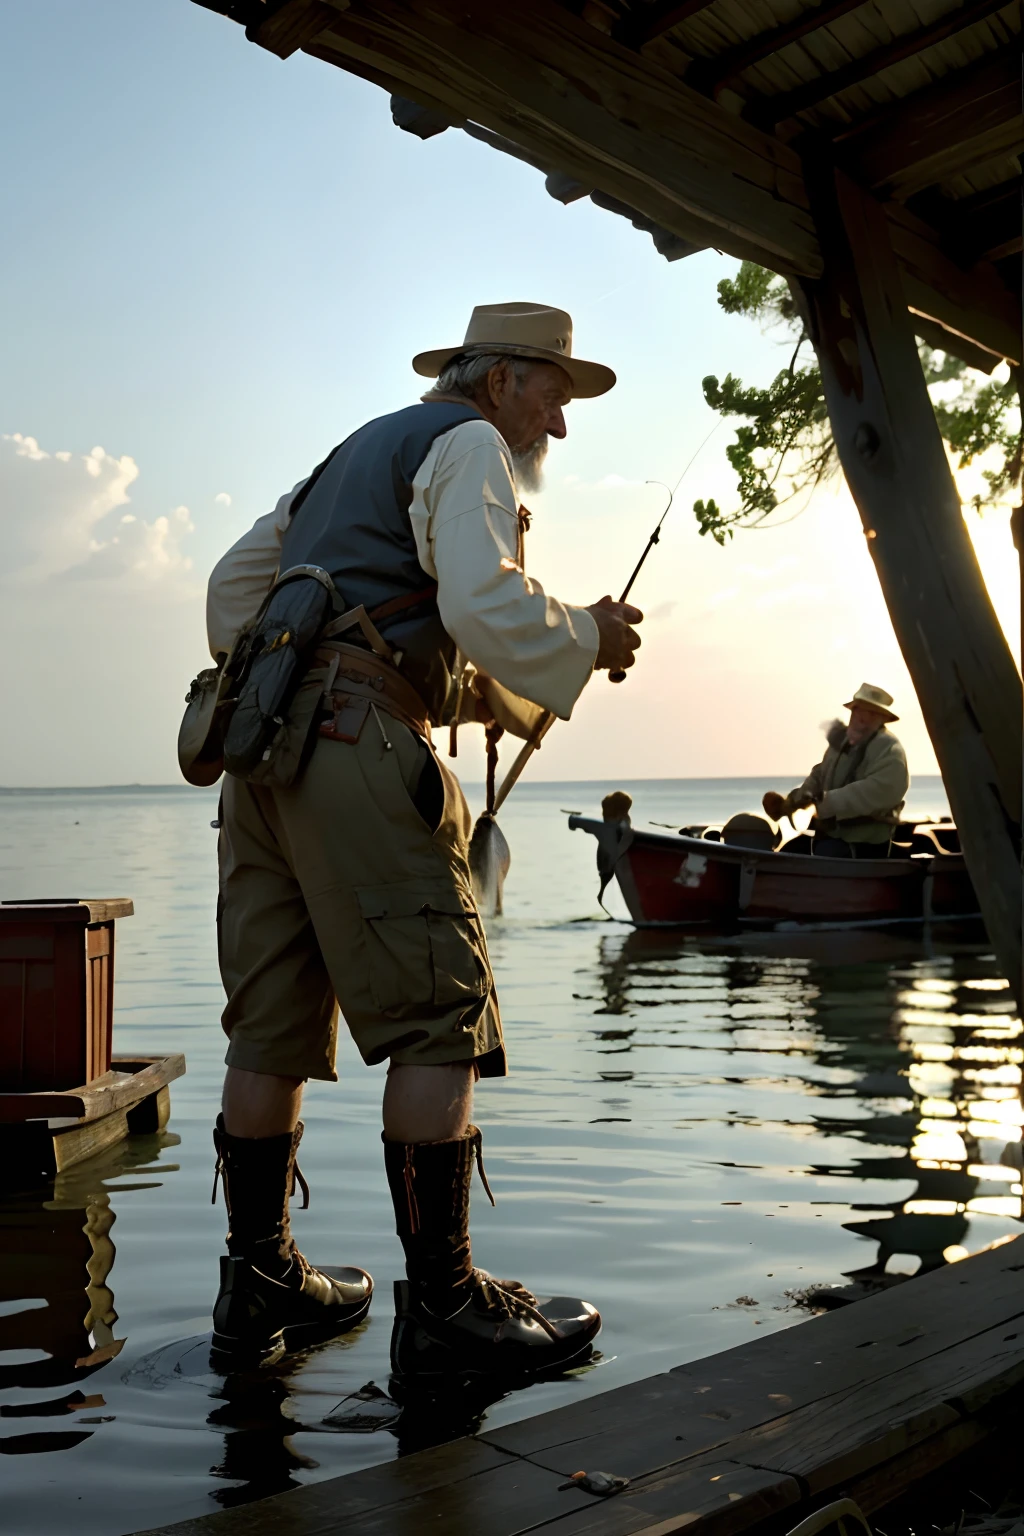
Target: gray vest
(352, 518)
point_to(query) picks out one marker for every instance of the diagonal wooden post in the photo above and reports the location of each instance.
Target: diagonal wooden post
(895, 463)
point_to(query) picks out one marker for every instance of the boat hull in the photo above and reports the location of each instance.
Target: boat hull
(681, 881)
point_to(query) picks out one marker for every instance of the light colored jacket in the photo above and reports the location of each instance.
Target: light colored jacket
(860, 791)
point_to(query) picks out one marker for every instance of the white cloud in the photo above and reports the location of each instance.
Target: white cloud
(60, 517)
(222, 499)
(27, 447)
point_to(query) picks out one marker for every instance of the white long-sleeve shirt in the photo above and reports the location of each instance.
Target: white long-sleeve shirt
(465, 521)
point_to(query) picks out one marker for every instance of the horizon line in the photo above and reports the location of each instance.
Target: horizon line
(699, 778)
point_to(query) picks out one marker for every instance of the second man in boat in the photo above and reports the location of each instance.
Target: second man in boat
(859, 788)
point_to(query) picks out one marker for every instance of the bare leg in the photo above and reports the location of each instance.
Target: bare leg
(260, 1103)
(428, 1103)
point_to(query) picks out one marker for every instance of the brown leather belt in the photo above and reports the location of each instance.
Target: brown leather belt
(357, 680)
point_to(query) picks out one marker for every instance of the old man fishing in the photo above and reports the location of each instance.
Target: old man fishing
(859, 788)
(386, 595)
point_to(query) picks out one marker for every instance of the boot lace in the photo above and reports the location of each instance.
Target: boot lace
(220, 1176)
(510, 1300)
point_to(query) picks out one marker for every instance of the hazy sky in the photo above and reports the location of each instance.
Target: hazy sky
(216, 265)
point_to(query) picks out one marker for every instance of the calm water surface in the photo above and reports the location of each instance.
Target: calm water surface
(670, 1096)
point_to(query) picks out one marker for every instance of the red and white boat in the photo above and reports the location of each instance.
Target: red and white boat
(688, 879)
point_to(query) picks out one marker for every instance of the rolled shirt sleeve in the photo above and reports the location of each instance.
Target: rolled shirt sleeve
(242, 578)
(465, 519)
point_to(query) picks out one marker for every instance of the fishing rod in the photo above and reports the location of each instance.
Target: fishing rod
(547, 719)
(619, 676)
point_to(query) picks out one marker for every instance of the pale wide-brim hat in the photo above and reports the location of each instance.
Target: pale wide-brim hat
(873, 698)
(522, 330)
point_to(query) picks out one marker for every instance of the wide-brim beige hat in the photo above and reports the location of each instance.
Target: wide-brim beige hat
(873, 698)
(522, 330)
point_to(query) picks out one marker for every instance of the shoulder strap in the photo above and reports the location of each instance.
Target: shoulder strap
(401, 603)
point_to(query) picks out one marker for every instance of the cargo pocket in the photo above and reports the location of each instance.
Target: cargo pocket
(425, 948)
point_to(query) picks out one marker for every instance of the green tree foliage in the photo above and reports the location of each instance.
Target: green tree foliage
(784, 446)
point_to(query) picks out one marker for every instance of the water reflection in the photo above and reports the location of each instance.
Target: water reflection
(668, 1097)
(58, 1321)
(928, 1046)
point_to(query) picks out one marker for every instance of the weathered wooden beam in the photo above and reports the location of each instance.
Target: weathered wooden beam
(975, 304)
(130, 1079)
(1011, 247)
(709, 74)
(577, 98)
(293, 25)
(655, 20)
(976, 227)
(936, 335)
(775, 109)
(940, 132)
(581, 103)
(895, 463)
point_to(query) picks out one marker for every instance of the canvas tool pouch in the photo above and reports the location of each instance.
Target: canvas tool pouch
(201, 733)
(273, 702)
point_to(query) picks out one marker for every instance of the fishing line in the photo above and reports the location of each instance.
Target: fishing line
(619, 676)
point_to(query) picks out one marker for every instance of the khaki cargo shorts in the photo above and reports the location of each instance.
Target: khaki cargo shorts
(338, 892)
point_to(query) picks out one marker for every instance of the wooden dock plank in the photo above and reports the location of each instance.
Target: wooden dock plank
(507, 1501)
(825, 1446)
(322, 1508)
(86, 1140)
(864, 1399)
(702, 1406)
(884, 1483)
(834, 1440)
(130, 1079)
(734, 1497)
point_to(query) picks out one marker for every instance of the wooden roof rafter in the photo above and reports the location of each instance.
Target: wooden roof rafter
(657, 19)
(965, 118)
(776, 109)
(710, 74)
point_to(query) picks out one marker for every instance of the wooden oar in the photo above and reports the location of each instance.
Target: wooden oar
(540, 730)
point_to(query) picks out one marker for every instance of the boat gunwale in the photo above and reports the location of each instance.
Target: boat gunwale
(917, 864)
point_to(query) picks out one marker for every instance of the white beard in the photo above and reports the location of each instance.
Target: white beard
(528, 464)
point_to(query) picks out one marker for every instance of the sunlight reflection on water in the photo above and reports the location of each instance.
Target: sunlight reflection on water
(670, 1097)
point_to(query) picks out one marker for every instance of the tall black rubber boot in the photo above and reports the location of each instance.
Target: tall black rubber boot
(271, 1298)
(452, 1320)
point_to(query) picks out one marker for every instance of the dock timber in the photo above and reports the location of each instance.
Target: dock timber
(861, 1401)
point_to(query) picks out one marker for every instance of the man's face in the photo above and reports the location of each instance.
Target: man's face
(527, 414)
(864, 721)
